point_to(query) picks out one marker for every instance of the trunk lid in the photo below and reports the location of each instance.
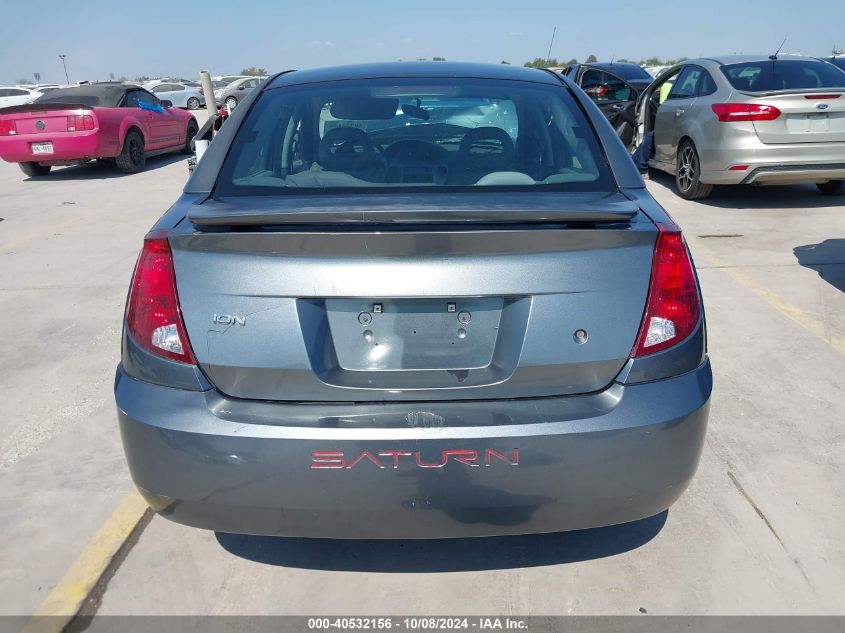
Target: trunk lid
(807, 116)
(279, 306)
(47, 118)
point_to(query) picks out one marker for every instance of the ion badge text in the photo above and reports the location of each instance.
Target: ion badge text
(228, 319)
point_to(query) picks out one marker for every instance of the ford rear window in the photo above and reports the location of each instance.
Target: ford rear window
(783, 74)
(407, 134)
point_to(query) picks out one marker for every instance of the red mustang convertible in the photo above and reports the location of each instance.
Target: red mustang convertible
(110, 122)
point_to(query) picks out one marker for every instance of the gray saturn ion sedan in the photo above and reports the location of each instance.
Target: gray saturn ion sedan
(413, 300)
(748, 120)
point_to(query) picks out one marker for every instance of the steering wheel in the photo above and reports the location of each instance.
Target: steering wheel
(417, 159)
(352, 151)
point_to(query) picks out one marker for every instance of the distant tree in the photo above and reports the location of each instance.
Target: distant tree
(37, 77)
(539, 62)
(252, 71)
(141, 79)
(571, 62)
(591, 59)
(622, 60)
(653, 61)
(23, 80)
(438, 59)
(123, 78)
(504, 62)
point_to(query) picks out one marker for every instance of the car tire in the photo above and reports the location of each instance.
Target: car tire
(193, 103)
(688, 172)
(132, 158)
(34, 169)
(231, 102)
(191, 132)
(832, 187)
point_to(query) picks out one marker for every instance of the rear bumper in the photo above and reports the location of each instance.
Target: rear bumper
(588, 461)
(66, 147)
(772, 164)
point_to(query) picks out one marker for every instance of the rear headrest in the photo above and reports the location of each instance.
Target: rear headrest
(487, 148)
(742, 83)
(346, 149)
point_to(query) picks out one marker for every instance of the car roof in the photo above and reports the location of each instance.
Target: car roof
(414, 69)
(609, 64)
(102, 94)
(743, 59)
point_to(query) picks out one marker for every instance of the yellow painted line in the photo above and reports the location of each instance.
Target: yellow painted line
(67, 597)
(811, 324)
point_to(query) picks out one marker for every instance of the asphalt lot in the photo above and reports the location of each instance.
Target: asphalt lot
(759, 531)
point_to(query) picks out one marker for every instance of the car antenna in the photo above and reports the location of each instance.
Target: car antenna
(775, 56)
(612, 57)
(549, 54)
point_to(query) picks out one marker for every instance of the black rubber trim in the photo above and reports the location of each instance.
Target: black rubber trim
(776, 168)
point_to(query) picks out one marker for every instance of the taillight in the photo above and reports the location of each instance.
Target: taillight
(727, 112)
(597, 91)
(673, 308)
(153, 318)
(8, 128)
(80, 122)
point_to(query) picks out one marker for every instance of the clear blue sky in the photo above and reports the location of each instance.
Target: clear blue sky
(156, 37)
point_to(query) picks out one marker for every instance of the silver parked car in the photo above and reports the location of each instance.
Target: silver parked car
(235, 92)
(180, 95)
(414, 300)
(747, 120)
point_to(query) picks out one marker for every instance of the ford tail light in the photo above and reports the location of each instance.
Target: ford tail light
(728, 112)
(153, 317)
(673, 307)
(80, 122)
(8, 128)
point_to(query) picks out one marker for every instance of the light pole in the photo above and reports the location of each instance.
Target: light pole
(62, 57)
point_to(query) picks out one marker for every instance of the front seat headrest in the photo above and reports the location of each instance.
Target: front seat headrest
(346, 149)
(487, 148)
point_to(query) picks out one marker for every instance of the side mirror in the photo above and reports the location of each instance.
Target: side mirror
(242, 87)
(165, 103)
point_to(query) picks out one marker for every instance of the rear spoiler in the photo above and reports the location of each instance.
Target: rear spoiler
(43, 107)
(417, 208)
(794, 91)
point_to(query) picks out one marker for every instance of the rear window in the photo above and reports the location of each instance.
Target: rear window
(366, 135)
(783, 74)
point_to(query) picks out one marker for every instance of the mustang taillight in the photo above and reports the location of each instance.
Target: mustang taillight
(80, 122)
(673, 308)
(728, 112)
(8, 128)
(153, 317)
(597, 91)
